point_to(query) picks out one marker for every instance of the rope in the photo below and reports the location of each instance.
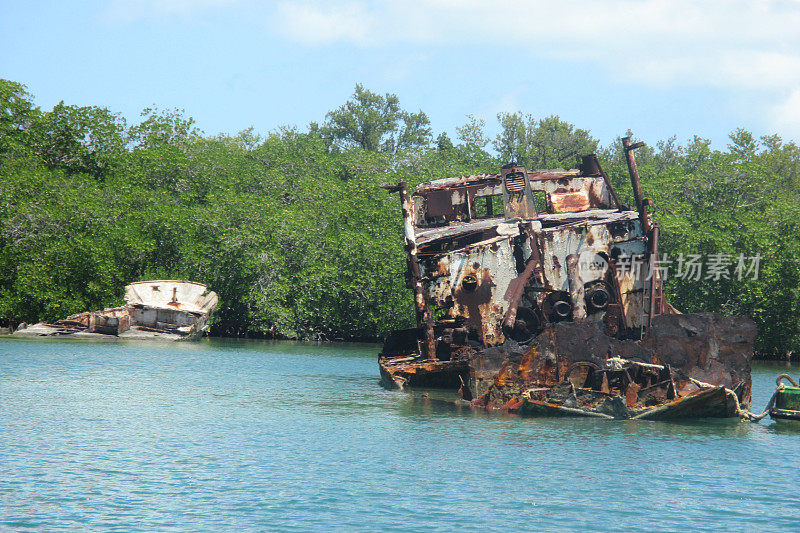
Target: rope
(786, 376)
(755, 418)
(744, 414)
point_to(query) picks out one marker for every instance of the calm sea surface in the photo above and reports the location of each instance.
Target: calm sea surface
(247, 435)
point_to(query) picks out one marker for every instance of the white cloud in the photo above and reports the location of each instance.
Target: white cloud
(752, 44)
(130, 10)
(786, 115)
(507, 102)
(319, 24)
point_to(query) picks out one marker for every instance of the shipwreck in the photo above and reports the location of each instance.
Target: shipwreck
(164, 309)
(539, 292)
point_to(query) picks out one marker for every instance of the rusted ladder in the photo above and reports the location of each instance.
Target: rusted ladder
(653, 295)
(652, 300)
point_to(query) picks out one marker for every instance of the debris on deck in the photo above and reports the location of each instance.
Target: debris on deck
(165, 309)
(540, 293)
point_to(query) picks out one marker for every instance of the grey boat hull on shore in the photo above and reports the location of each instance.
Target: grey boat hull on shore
(161, 309)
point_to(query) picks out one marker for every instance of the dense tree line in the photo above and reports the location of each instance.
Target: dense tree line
(295, 234)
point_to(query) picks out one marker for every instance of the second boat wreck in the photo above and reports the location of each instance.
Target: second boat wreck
(164, 309)
(540, 293)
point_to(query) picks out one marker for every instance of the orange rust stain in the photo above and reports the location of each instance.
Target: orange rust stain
(512, 404)
(476, 305)
(442, 268)
(480, 401)
(503, 377)
(526, 364)
(632, 395)
(544, 176)
(570, 202)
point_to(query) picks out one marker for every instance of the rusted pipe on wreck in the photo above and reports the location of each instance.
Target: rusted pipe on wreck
(637, 186)
(613, 283)
(424, 317)
(515, 292)
(576, 292)
(654, 273)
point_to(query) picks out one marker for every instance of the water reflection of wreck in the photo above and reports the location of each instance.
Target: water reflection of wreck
(539, 292)
(167, 309)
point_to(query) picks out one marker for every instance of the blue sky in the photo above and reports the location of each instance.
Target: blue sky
(657, 67)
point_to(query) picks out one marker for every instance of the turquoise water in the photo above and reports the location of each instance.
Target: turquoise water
(247, 435)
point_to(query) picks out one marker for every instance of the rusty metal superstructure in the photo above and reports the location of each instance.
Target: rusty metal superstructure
(508, 269)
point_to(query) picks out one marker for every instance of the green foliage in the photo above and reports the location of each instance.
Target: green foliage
(295, 234)
(78, 139)
(472, 133)
(376, 122)
(546, 143)
(16, 114)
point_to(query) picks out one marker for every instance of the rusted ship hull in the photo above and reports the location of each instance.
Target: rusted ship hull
(555, 303)
(422, 373)
(690, 366)
(715, 402)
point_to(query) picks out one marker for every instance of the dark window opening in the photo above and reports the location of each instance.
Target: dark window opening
(540, 201)
(488, 207)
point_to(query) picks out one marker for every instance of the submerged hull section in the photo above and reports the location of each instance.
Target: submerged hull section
(422, 373)
(691, 366)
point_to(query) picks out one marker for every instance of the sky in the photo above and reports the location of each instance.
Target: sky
(656, 67)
